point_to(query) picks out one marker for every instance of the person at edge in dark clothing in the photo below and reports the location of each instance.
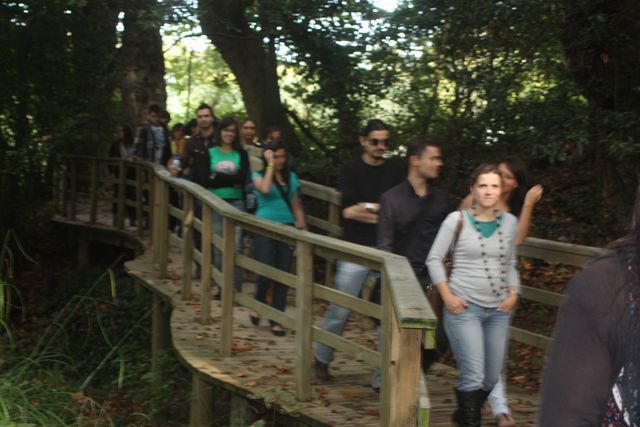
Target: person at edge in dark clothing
(152, 141)
(411, 214)
(362, 182)
(592, 377)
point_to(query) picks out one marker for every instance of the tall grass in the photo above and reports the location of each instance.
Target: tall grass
(33, 388)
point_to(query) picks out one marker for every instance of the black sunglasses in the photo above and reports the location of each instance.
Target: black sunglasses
(376, 141)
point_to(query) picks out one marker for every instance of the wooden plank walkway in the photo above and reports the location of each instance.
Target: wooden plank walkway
(263, 365)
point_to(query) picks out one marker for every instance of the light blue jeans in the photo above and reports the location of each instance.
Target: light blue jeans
(498, 398)
(349, 279)
(478, 338)
(217, 255)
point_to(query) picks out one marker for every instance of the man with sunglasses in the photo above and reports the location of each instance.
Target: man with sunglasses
(362, 182)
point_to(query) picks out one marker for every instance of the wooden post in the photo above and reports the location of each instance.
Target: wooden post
(82, 242)
(400, 366)
(201, 414)
(163, 227)
(93, 196)
(153, 215)
(65, 187)
(74, 189)
(334, 218)
(241, 414)
(304, 319)
(151, 202)
(205, 277)
(228, 264)
(187, 245)
(160, 343)
(122, 176)
(139, 197)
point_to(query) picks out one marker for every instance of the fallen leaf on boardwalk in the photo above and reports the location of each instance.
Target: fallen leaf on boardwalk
(283, 369)
(323, 391)
(251, 384)
(241, 375)
(316, 382)
(373, 412)
(347, 394)
(242, 347)
(199, 337)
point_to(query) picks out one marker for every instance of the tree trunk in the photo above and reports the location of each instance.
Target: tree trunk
(142, 59)
(93, 28)
(603, 55)
(252, 62)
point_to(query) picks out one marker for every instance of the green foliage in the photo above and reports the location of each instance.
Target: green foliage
(194, 76)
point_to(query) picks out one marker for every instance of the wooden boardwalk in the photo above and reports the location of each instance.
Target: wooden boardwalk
(262, 366)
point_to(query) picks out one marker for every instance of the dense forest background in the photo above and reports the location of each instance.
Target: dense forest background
(555, 82)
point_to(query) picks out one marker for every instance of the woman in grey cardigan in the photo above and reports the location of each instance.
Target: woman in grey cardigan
(481, 292)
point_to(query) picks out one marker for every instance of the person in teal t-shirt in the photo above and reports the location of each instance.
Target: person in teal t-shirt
(277, 191)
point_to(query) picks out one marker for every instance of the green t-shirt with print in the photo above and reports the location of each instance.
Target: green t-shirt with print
(227, 162)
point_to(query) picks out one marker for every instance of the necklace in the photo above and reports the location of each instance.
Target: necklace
(498, 284)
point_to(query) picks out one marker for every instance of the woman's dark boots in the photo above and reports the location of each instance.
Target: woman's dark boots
(469, 412)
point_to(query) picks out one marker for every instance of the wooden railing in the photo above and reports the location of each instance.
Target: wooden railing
(546, 250)
(404, 312)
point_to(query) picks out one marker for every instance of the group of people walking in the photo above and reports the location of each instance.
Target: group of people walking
(407, 214)
(399, 208)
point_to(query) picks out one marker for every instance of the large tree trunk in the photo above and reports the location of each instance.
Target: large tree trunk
(252, 62)
(93, 29)
(142, 60)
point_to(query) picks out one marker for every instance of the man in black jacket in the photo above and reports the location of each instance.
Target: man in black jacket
(196, 160)
(411, 214)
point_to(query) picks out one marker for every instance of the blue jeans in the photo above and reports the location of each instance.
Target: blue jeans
(478, 338)
(279, 255)
(498, 398)
(349, 279)
(217, 256)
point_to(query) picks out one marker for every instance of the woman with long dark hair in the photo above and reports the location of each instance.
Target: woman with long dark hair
(480, 293)
(278, 200)
(593, 373)
(229, 167)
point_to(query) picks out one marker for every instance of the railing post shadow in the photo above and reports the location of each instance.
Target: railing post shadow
(228, 270)
(304, 319)
(400, 366)
(187, 245)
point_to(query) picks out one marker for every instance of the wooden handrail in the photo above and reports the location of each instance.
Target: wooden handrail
(405, 307)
